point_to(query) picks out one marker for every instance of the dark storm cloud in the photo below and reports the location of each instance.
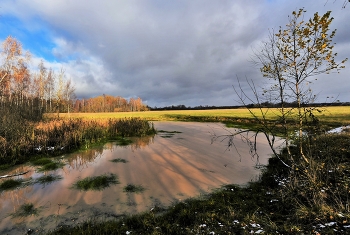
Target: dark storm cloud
(168, 52)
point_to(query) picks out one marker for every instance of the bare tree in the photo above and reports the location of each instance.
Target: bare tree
(68, 93)
(50, 88)
(59, 93)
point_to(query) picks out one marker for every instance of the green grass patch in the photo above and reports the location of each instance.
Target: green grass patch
(46, 164)
(119, 160)
(25, 210)
(41, 161)
(10, 184)
(47, 179)
(131, 188)
(167, 134)
(96, 183)
(50, 166)
(172, 132)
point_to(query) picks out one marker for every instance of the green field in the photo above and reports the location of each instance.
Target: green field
(333, 116)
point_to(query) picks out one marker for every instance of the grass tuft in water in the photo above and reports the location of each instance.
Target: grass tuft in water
(46, 164)
(131, 188)
(10, 184)
(51, 166)
(26, 210)
(167, 134)
(47, 179)
(163, 131)
(96, 183)
(119, 160)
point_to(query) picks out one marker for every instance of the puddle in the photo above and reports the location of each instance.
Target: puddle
(183, 165)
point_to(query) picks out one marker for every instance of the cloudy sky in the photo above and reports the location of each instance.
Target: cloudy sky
(174, 52)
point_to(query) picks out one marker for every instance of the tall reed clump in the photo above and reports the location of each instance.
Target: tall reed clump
(130, 127)
(15, 129)
(52, 137)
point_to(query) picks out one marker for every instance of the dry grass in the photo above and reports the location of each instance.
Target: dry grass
(53, 137)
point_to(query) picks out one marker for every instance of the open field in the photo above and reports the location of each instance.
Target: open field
(333, 116)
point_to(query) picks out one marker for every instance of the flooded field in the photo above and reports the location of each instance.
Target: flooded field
(178, 163)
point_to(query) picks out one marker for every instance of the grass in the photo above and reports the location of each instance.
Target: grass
(47, 179)
(96, 183)
(51, 166)
(41, 161)
(46, 164)
(26, 210)
(54, 137)
(336, 115)
(131, 188)
(10, 184)
(167, 134)
(170, 132)
(119, 160)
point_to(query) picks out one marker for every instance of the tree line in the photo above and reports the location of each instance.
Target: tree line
(108, 103)
(265, 104)
(32, 92)
(28, 92)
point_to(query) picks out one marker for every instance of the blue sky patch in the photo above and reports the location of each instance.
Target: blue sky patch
(38, 40)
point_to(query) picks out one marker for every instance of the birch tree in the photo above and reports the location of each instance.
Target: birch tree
(68, 93)
(294, 54)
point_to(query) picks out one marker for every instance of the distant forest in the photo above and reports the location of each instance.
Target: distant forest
(108, 103)
(264, 105)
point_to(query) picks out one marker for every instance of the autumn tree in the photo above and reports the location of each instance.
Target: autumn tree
(14, 62)
(291, 56)
(15, 77)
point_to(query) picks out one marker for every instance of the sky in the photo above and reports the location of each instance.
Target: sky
(165, 52)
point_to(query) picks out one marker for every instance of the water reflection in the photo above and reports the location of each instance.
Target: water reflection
(83, 159)
(170, 169)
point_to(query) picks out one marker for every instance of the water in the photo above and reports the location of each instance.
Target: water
(170, 166)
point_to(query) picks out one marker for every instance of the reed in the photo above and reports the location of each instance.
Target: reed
(56, 136)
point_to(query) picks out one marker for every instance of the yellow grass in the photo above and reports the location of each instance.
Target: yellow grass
(336, 115)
